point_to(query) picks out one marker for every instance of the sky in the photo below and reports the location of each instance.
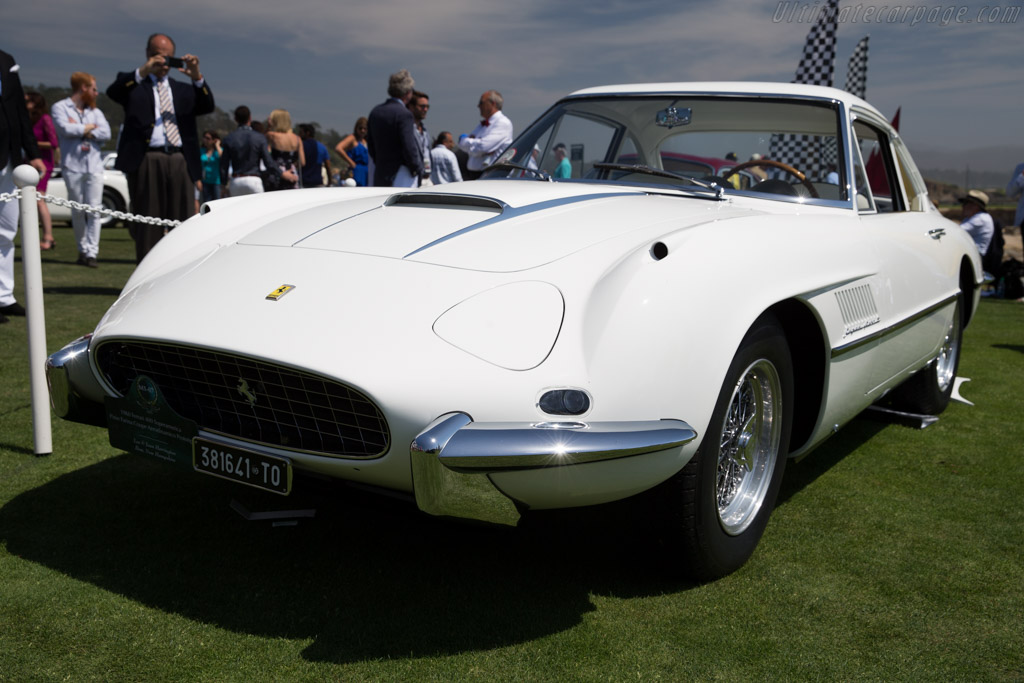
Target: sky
(953, 69)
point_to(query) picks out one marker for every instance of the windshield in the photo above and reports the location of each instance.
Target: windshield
(788, 148)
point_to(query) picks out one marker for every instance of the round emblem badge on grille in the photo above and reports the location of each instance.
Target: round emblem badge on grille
(147, 390)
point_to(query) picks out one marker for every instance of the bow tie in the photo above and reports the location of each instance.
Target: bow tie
(484, 123)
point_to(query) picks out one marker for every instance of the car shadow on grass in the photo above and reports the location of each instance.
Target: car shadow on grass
(799, 475)
(1010, 347)
(368, 578)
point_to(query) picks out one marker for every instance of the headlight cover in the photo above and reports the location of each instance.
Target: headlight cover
(513, 326)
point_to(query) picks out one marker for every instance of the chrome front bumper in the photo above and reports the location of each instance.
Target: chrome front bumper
(74, 392)
(453, 458)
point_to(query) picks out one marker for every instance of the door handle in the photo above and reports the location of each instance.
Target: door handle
(937, 233)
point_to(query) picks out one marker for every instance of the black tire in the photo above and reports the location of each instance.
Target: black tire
(927, 392)
(112, 202)
(710, 525)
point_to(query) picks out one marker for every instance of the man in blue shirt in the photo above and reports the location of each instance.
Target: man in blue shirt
(317, 157)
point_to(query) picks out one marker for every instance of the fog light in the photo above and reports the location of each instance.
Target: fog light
(564, 402)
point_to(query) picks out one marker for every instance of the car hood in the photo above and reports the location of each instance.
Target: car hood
(498, 226)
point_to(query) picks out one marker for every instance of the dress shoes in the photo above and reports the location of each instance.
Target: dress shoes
(12, 309)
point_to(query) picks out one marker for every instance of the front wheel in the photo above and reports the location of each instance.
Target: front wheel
(717, 507)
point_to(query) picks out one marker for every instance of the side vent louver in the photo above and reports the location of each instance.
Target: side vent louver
(858, 308)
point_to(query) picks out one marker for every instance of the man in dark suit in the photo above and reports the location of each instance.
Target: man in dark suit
(243, 151)
(17, 144)
(391, 138)
(159, 145)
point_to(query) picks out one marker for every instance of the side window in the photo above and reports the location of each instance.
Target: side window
(865, 202)
(879, 169)
(913, 183)
(576, 144)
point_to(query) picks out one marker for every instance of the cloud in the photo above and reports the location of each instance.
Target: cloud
(329, 61)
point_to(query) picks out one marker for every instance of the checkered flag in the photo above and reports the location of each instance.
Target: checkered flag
(811, 154)
(857, 70)
(818, 62)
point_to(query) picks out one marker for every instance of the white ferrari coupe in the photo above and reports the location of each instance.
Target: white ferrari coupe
(662, 290)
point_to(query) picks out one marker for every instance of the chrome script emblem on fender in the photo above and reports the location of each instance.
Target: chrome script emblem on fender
(280, 292)
(245, 391)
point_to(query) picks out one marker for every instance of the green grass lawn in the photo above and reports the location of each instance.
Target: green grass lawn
(893, 554)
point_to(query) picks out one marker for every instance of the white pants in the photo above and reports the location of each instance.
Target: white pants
(85, 188)
(245, 185)
(9, 212)
(405, 178)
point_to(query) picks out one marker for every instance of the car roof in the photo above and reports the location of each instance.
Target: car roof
(757, 88)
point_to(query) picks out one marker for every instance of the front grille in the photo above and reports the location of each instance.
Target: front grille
(252, 399)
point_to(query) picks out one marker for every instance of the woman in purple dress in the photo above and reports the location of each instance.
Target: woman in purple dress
(46, 137)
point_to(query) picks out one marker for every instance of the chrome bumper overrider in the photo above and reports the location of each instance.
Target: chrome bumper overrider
(74, 392)
(453, 456)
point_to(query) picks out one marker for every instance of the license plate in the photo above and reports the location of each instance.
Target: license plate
(258, 470)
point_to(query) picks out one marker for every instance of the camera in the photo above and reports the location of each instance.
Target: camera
(174, 62)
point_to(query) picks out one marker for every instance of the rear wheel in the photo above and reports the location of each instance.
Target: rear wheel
(112, 202)
(717, 507)
(928, 391)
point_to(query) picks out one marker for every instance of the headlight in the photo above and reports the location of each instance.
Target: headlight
(513, 326)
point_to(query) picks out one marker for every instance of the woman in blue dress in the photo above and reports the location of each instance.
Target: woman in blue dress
(352, 150)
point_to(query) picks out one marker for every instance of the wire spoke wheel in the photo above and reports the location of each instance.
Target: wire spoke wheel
(928, 391)
(748, 446)
(945, 364)
(718, 505)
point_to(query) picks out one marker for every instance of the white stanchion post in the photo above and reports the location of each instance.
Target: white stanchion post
(27, 178)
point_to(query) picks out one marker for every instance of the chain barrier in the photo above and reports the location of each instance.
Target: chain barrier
(88, 208)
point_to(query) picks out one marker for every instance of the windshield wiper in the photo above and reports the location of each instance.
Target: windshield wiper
(649, 170)
(541, 175)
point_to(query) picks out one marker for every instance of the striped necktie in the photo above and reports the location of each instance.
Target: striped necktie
(171, 133)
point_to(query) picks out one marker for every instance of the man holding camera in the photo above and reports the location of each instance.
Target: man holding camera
(159, 145)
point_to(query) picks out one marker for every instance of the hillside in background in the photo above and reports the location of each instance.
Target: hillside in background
(984, 167)
(1000, 159)
(985, 180)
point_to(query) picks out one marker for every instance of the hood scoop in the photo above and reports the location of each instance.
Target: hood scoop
(526, 227)
(428, 199)
(401, 224)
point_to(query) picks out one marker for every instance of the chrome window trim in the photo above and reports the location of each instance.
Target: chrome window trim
(843, 123)
(885, 127)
